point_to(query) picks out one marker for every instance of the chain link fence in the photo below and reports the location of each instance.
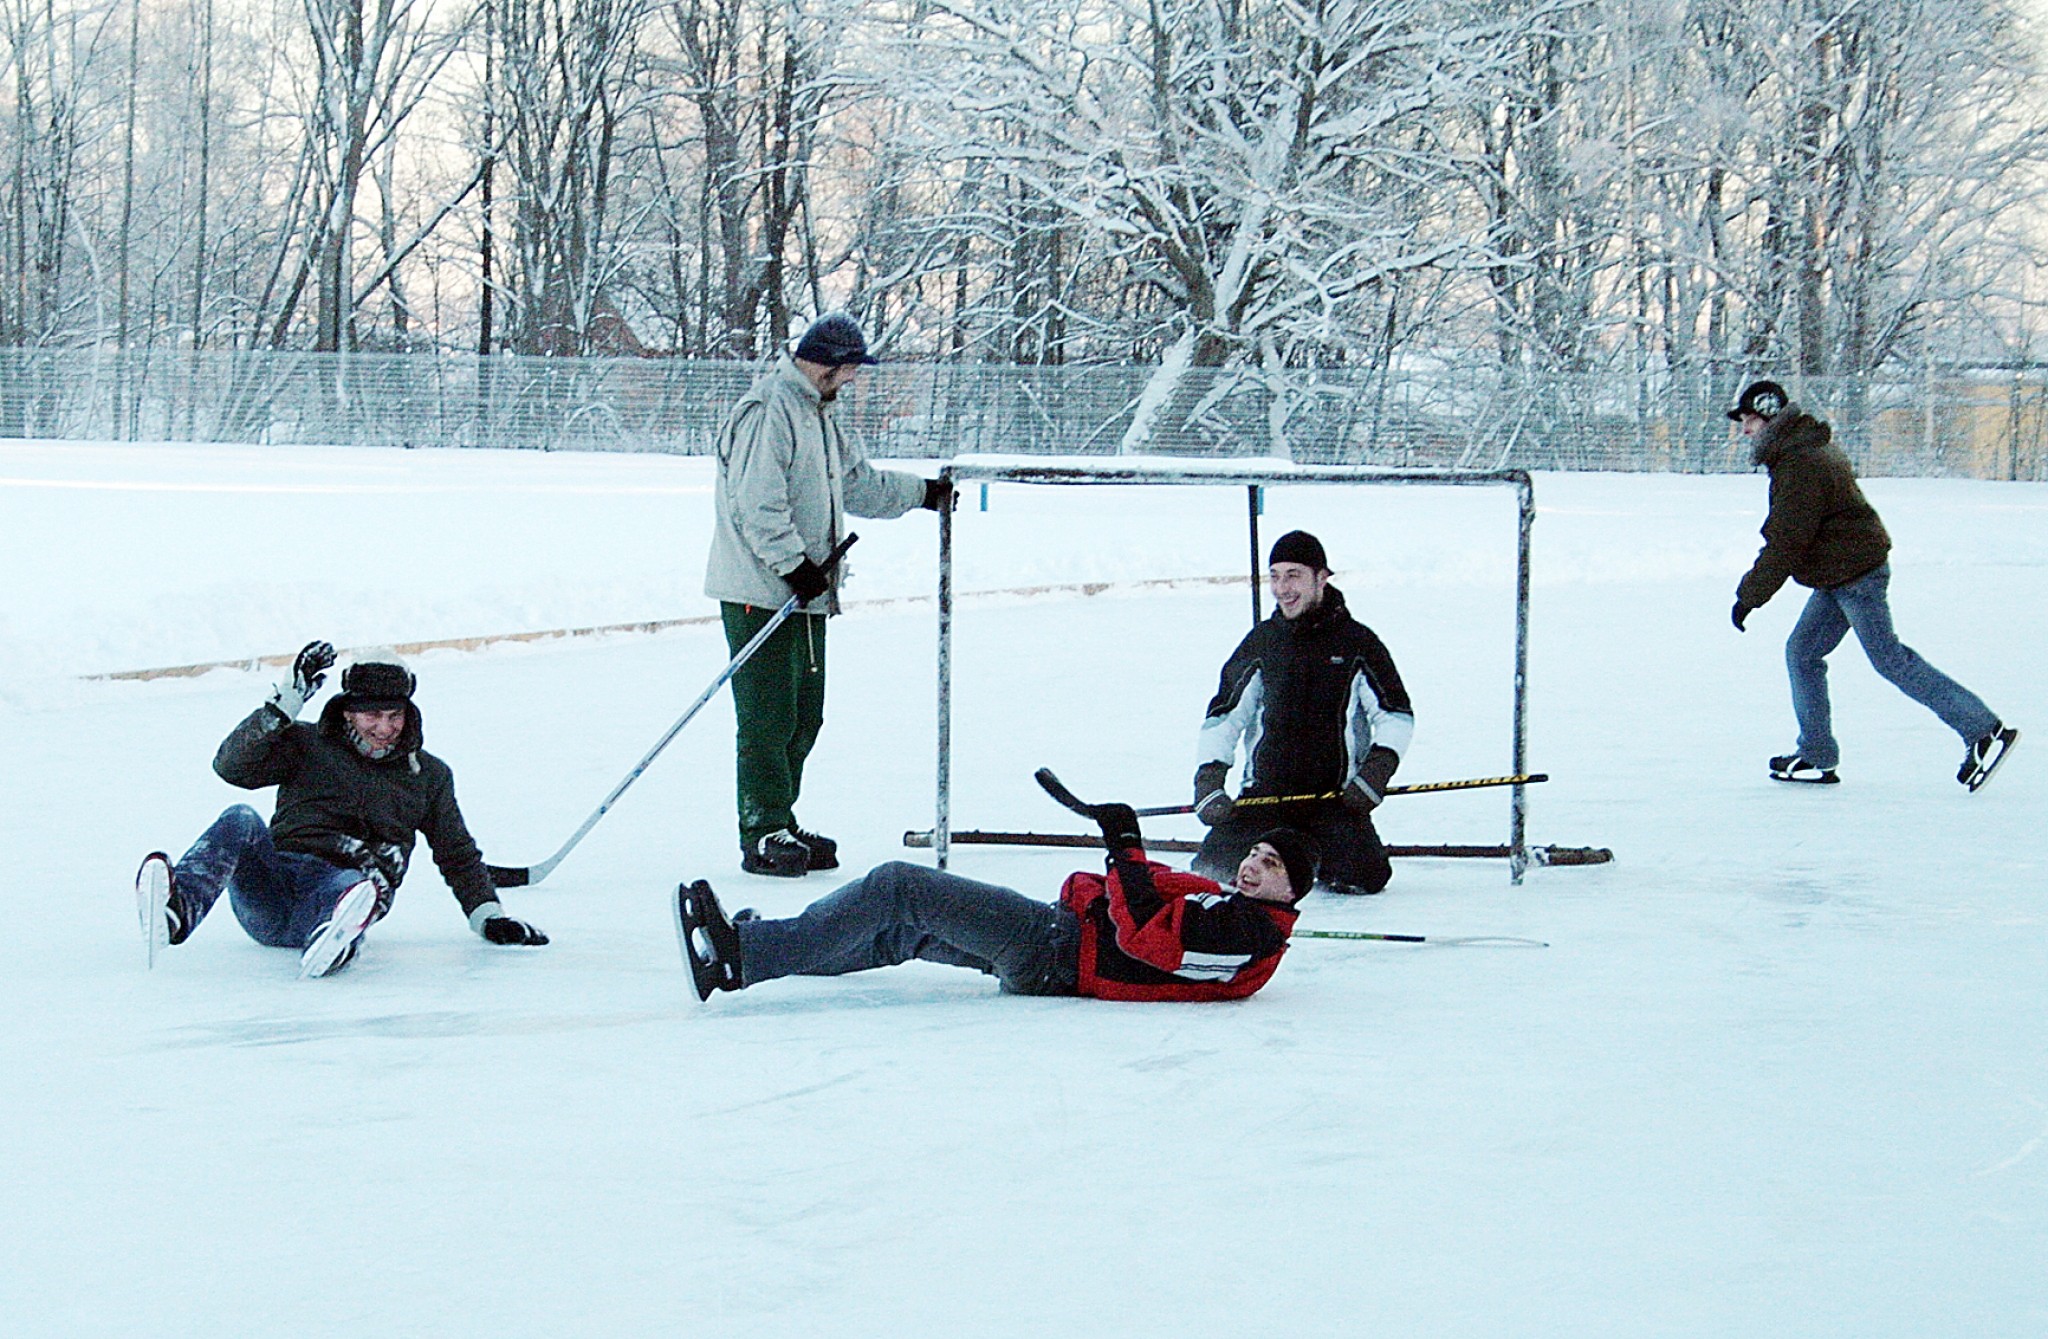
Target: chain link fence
(1426, 414)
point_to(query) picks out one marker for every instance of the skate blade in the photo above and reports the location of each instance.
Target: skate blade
(152, 904)
(351, 917)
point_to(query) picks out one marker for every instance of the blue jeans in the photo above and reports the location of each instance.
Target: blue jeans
(899, 911)
(1860, 604)
(280, 897)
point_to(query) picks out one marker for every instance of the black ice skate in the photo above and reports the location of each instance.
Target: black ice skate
(780, 854)
(1982, 758)
(1792, 767)
(824, 851)
(710, 945)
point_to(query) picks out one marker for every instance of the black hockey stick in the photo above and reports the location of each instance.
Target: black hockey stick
(1067, 798)
(1496, 941)
(516, 876)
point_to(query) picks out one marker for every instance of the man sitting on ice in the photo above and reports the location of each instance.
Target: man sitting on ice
(1143, 932)
(352, 793)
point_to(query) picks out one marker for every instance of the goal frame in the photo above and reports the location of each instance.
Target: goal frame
(1252, 478)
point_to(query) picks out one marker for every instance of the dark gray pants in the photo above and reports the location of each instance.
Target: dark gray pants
(899, 911)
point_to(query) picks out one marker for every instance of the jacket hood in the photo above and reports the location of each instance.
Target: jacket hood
(1792, 430)
(410, 740)
(786, 368)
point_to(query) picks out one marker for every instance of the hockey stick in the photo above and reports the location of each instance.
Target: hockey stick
(1421, 789)
(514, 876)
(1062, 796)
(1543, 855)
(1501, 941)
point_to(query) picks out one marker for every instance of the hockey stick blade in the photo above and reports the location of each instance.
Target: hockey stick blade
(520, 876)
(1060, 794)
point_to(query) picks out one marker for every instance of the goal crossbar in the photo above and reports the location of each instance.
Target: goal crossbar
(1251, 477)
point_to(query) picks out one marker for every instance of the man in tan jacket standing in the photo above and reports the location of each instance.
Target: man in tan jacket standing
(1823, 534)
(788, 476)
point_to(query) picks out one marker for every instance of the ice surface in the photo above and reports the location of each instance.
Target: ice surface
(1781, 1071)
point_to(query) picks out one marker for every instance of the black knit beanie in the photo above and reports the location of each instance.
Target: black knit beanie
(1765, 399)
(1299, 546)
(834, 341)
(1297, 851)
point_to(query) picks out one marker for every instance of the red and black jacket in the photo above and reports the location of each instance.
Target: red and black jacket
(1153, 933)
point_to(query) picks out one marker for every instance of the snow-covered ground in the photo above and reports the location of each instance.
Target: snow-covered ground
(1780, 1071)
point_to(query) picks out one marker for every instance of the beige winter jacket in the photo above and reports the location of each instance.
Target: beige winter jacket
(788, 475)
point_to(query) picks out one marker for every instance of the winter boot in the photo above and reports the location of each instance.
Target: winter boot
(710, 944)
(1346, 889)
(333, 945)
(1792, 767)
(1983, 757)
(824, 851)
(781, 854)
(156, 906)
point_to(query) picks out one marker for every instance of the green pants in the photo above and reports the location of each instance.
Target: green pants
(778, 700)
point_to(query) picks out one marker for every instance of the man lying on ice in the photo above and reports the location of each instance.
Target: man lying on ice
(1143, 932)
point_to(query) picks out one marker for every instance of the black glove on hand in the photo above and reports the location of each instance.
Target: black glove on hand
(1365, 791)
(1360, 798)
(939, 496)
(1119, 823)
(309, 671)
(505, 930)
(1212, 803)
(807, 579)
(1742, 611)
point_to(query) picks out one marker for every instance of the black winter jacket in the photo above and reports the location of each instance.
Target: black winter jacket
(354, 811)
(1310, 698)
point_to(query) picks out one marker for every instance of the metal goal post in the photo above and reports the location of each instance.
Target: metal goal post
(1251, 476)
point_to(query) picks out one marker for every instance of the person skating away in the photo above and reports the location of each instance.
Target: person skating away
(352, 794)
(1139, 932)
(789, 474)
(1313, 698)
(1822, 533)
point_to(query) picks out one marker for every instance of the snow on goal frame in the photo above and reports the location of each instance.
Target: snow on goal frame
(967, 470)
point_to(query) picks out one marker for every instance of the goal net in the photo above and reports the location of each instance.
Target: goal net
(1100, 686)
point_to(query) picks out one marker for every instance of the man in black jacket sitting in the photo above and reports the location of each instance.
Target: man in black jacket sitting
(1321, 712)
(352, 794)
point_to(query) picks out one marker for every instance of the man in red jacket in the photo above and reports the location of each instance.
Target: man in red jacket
(1139, 932)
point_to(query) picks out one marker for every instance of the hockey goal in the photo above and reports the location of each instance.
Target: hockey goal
(1253, 477)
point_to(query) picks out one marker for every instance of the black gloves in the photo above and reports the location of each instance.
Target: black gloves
(505, 930)
(1119, 823)
(1365, 791)
(938, 495)
(309, 671)
(1742, 611)
(807, 579)
(1212, 802)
